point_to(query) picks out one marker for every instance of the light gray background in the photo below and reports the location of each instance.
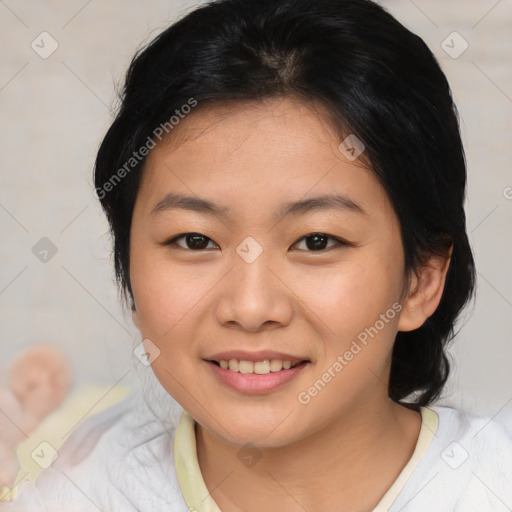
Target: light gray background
(55, 111)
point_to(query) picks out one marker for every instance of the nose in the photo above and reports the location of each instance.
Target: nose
(254, 296)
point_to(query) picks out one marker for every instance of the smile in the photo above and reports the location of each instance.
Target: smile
(255, 377)
(258, 367)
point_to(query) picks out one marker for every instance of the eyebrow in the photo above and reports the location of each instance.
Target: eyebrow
(324, 202)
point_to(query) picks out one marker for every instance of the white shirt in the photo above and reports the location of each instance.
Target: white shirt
(126, 459)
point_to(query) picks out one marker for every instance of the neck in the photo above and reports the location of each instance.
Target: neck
(365, 450)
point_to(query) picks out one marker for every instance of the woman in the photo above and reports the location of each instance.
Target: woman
(284, 182)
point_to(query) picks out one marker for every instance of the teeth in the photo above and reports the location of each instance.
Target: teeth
(262, 367)
(276, 365)
(246, 367)
(258, 367)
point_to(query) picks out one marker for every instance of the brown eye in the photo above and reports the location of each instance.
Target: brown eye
(192, 241)
(316, 242)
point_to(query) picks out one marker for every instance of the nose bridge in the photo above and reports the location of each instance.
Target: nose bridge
(253, 275)
(254, 294)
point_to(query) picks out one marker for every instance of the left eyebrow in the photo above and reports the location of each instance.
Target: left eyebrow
(324, 202)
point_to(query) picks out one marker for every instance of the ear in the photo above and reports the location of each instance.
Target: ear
(425, 292)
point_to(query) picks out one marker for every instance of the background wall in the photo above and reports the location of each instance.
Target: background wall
(60, 64)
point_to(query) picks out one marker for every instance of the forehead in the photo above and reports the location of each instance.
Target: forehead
(283, 123)
(275, 151)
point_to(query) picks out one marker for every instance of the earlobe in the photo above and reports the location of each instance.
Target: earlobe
(425, 292)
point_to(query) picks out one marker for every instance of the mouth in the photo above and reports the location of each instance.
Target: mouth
(262, 367)
(258, 376)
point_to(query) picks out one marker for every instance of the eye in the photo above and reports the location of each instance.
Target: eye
(316, 242)
(193, 241)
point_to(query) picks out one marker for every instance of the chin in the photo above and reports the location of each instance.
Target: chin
(241, 429)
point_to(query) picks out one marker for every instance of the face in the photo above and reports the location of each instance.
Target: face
(248, 279)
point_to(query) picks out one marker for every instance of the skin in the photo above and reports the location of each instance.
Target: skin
(295, 299)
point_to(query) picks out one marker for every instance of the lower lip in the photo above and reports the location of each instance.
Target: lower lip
(254, 384)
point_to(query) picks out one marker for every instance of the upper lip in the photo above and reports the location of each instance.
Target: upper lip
(254, 356)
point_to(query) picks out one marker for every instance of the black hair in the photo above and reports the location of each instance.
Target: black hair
(375, 78)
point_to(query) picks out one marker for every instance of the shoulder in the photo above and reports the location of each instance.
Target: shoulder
(466, 468)
(121, 458)
(480, 449)
(480, 434)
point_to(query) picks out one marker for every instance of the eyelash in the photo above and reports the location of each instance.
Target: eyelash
(338, 241)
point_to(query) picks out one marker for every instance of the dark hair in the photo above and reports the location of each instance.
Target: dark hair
(375, 78)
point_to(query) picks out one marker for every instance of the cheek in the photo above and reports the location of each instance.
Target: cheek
(349, 297)
(166, 294)
(168, 300)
